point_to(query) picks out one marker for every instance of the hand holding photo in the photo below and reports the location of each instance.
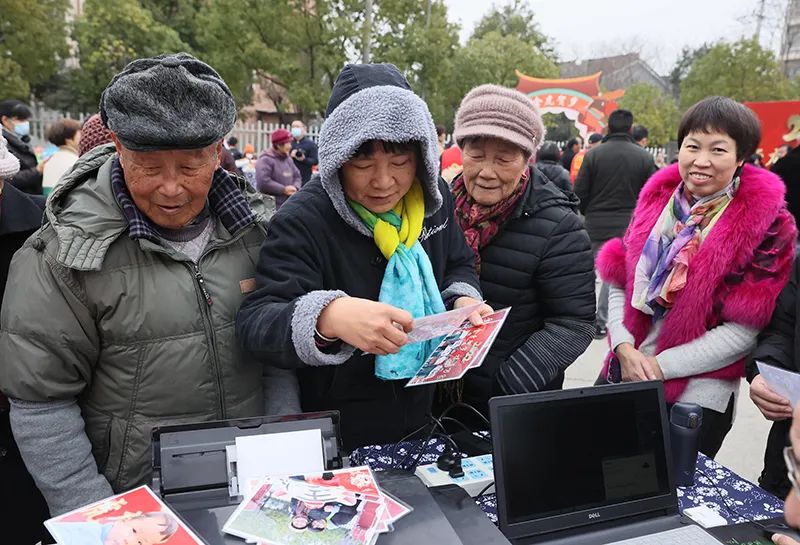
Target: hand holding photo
(437, 325)
(462, 350)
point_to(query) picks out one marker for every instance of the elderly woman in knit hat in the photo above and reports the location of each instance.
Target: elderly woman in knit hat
(119, 312)
(529, 247)
(276, 173)
(20, 217)
(368, 245)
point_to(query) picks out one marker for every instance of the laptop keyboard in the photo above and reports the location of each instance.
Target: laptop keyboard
(688, 535)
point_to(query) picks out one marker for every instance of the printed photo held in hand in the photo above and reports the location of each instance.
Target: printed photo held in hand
(136, 517)
(462, 350)
(437, 325)
(782, 382)
(344, 507)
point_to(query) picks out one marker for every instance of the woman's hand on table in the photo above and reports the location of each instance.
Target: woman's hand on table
(476, 318)
(635, 366)
(375, 328)
(773, 406)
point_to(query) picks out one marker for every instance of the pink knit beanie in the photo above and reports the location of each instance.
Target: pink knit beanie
(495, 111)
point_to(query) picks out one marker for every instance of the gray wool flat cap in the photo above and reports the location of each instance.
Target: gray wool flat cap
(168, 102)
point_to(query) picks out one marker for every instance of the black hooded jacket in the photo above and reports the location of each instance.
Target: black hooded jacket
(317, 249)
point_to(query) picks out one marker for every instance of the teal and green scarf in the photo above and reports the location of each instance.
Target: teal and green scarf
(408, 282)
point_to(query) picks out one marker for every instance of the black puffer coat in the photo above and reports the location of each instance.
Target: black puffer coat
(556, 174)
(540, 264)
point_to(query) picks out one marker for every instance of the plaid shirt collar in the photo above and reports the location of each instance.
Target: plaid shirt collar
(225, 200)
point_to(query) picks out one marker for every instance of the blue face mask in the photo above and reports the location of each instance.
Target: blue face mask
(296, 132)
(23, 128)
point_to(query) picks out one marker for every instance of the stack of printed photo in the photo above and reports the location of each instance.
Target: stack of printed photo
(342, 507)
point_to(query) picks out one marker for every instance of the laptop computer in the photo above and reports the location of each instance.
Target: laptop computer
(587, 465)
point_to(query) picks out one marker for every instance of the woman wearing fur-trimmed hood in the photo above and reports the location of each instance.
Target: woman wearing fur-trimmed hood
(366, 246)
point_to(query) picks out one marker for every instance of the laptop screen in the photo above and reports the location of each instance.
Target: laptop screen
(583, 450)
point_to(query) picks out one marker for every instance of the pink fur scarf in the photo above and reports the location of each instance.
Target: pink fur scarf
(736, 275)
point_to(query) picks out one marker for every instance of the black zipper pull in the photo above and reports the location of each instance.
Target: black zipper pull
(202, 283)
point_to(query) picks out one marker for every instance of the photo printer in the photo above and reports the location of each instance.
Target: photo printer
(193, 474)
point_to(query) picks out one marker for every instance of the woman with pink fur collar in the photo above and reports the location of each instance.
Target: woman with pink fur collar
(696, 277)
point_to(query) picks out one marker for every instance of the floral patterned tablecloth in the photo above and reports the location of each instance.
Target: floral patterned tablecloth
(716, 486)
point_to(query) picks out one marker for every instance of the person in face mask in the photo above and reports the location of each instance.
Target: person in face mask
(15, 120)
(304, 150)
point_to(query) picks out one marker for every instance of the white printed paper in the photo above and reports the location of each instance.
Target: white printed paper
(781, 381)
(287, 453)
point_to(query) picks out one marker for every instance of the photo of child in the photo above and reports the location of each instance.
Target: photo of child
(137, 517)
(142, 529)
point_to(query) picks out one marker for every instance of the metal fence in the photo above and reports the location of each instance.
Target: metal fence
(256, 133)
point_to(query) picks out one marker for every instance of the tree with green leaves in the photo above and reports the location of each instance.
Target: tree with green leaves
(493, 58)
(33, 41)
(515, 18)
(180, 15)
(741, 70)
(682, 65)
(653, 109)
(422, 43)
(296, 48)
(109, 36)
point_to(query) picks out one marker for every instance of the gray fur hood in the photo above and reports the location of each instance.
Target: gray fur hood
(385, 113)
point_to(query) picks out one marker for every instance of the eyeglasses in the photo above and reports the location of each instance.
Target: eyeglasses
(792, 465)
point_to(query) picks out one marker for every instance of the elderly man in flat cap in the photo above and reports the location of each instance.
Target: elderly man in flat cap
(119, 312)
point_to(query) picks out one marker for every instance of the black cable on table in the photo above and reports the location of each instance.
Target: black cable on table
(464, 427)
(484, 489)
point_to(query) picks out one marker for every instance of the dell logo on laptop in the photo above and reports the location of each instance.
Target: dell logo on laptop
(595, 515)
